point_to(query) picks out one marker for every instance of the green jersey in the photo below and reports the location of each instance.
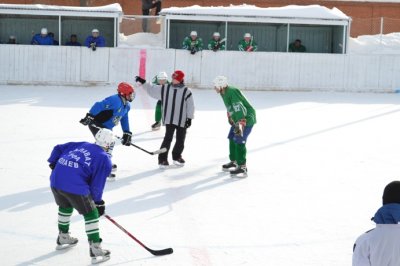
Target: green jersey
(238, 106)
(250, 46)
(216, 45)
(189, 44)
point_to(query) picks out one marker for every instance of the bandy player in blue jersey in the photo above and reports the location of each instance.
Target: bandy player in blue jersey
(110, 112)
(79, 173)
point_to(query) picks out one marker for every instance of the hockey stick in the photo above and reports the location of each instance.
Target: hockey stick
(160, 252)
(162, 150)
(149, 152)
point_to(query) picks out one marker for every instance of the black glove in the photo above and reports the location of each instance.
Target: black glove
(193, 50)
(52, 166)
(139, 79)
(87, 120)
(126, 138)
(93, 45)
(188, 123)
(101, 207)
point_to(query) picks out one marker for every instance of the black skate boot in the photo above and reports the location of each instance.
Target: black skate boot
(156, 126)
(179, 162)
(65, 240)
(241, 172)
(98, 254)
(163, 164)
(231, 166)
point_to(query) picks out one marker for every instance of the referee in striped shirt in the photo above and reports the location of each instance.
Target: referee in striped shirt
(177, 114)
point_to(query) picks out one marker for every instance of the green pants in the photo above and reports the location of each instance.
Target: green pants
(237, 152)
(158, 114)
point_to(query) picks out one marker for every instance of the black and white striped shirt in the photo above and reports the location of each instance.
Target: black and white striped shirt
(177, 102)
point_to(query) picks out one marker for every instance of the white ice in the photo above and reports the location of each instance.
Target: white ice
(318, 163)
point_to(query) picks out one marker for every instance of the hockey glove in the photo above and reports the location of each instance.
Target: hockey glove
(101, 207)
(126, 138)
(52, 166)
(93, 46)
(139, 79)
(239, 126)
(87, 120)
(188, 123)
(193, 50)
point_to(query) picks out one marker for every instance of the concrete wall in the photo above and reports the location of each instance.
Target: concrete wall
(25, 64)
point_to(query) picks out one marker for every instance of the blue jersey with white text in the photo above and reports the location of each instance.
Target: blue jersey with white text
(81, 168)
(110, 111)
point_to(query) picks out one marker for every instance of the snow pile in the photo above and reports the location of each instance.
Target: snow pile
(291, 11)
(107, 8)
(142, 40)
(375, 44)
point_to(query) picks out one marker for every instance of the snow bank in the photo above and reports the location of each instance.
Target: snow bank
(141, 40)
(375, 44)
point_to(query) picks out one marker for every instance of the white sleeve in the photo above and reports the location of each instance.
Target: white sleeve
(361, 253)
(153, 90)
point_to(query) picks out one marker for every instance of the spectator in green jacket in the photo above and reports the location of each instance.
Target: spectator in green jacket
(193, 43)
(248, 44)
(297, 47)
(216, 43)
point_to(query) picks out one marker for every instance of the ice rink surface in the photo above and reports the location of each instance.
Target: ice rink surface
(317, 161)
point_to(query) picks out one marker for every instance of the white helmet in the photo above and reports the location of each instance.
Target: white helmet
(220, 82)
(43, 31)
(193, 33)
(216, 34)
(247, 35)
(105, 138)
(162, 76)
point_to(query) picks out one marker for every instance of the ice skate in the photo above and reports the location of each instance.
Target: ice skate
(163, 164)
(65, 240)
(98, 254)
(231, 166)
(156, 126)
(240, 172)
(113, 174)
(179, 162)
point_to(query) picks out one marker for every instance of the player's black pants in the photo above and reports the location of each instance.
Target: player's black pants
(179, 142)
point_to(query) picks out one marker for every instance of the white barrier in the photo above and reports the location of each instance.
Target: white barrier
(26, 64)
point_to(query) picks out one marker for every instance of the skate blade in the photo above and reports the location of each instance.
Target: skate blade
(65, 246)
(178, 164)
(111, 179)
(100, 259)
(241, 175)
(228, 169)
(155, 128)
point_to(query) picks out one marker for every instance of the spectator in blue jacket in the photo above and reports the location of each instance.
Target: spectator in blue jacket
(79, 173)
(42, 38)
(95, 40)
(73, 41)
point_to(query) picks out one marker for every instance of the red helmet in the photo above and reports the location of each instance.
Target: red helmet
(178, 75)
(126, 90)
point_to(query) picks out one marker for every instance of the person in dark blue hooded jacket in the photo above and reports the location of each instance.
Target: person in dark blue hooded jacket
(42, 38)
(95, 40)
(381, 245)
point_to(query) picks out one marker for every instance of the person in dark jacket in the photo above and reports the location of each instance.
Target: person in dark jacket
(77, 180)
(147, 5)
(42, 38)
(297, 47)
(95, 40)
(73, 41)
(55, 42)
(178, 111)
